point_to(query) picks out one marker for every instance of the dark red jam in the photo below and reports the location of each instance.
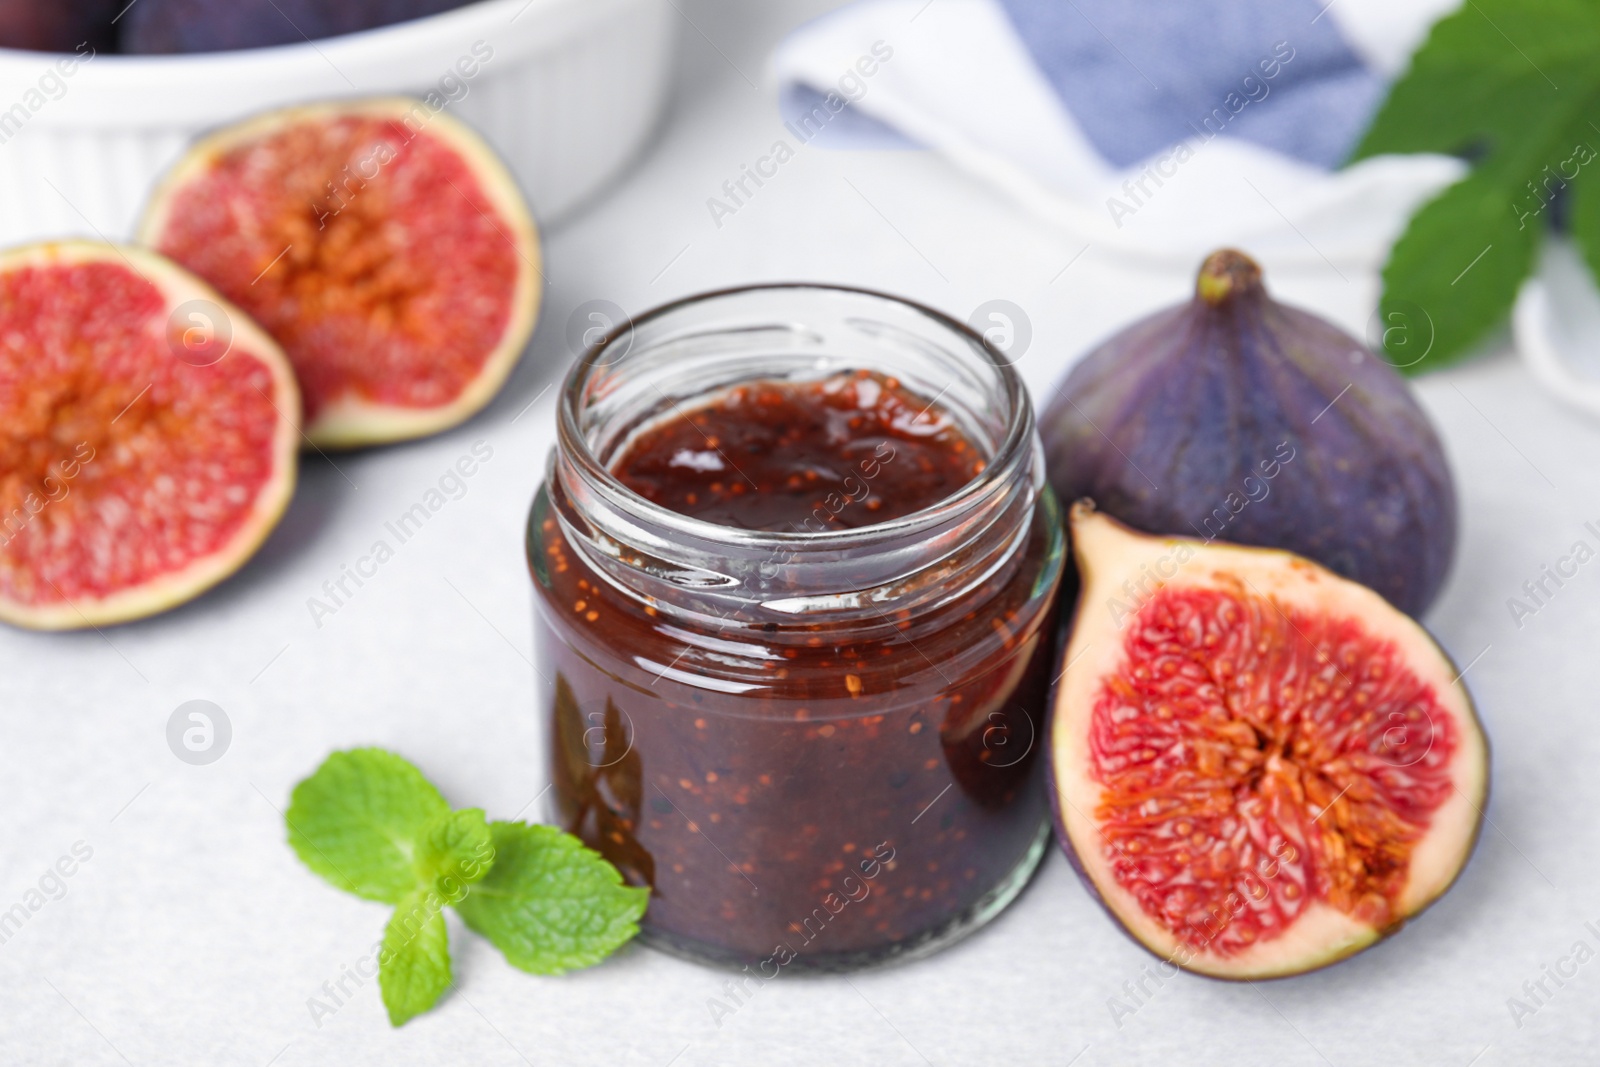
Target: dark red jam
(798, 792)
(847, 451)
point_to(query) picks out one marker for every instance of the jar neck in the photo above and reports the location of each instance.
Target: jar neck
(712, 577)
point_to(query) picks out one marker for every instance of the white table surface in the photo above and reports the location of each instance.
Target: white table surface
(194, 936)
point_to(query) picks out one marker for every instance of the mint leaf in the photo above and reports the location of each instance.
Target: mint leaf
(356, 820)
(453, 851)
(550, 904)
(1511, 84)
(370, 823)
(414, 962)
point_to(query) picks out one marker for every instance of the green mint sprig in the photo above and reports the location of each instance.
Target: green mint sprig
(368, 822)
(1514, 86)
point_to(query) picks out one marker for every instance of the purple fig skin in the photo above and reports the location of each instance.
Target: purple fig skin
(1171, 426)
(57, 25)
(170, 26)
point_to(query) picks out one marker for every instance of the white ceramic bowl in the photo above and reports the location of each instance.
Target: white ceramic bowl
(567, 90)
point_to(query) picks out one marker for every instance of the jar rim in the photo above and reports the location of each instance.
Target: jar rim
(1008, 452)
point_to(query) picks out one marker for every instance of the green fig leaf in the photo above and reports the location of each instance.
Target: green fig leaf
(1453, 275)
(1511, 85)
(1584, 219)
(1497, 77)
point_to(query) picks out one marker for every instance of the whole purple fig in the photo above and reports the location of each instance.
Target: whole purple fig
(1236, 418)
(165, 26)
(82, 26)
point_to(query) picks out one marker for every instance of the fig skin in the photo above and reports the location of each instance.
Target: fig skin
(58, 25)
(171, 26)
(1233, 416)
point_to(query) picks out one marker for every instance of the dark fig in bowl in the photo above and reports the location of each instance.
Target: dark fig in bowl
(1233, 416)
(1258, 767)
(168, 26)
(82, 26)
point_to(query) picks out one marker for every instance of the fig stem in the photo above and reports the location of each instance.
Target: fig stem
(1226, 275)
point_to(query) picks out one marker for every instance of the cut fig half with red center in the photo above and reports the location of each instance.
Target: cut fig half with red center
(1259, 766)
(148, 435)
(381, 242)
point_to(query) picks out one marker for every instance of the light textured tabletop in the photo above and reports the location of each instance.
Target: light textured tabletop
(192, 935)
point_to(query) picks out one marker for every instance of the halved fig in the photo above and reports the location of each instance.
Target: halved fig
(148, 435)
(381, 242)
(1259, 767)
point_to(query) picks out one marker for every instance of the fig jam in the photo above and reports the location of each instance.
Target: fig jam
(837, 763)
(846, 451)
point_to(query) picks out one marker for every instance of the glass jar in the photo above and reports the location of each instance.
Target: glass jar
(820, 749)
